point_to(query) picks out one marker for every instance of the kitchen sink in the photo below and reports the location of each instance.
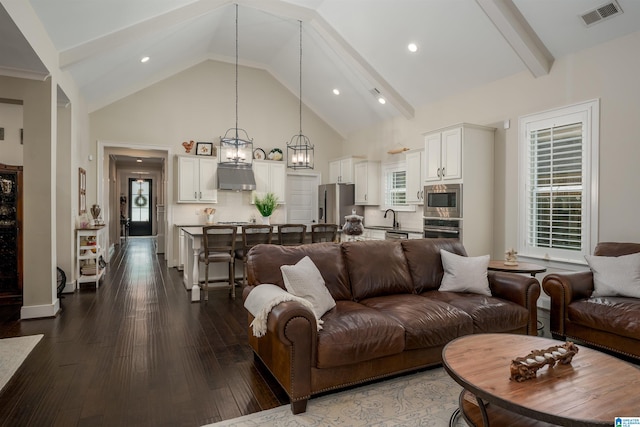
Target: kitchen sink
(394, 235)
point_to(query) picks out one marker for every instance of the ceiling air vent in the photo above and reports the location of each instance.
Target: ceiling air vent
(601, 13)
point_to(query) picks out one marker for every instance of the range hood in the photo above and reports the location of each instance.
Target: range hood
(237, 177)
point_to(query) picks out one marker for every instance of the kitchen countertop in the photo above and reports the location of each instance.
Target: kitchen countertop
(399, 229)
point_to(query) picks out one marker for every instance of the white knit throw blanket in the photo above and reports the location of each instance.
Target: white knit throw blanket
(262, 299)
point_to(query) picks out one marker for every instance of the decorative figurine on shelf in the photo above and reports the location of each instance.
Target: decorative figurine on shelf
(353, 226)
(511, 257)
(188, 146)
(209, 213)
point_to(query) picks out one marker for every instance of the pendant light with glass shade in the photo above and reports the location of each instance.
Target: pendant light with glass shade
(299, 148)
(234, 150)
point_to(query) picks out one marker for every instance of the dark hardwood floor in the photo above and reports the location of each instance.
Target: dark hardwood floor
(136, 352)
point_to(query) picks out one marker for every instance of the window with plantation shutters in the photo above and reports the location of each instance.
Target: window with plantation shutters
(394, 176)
(557, 206)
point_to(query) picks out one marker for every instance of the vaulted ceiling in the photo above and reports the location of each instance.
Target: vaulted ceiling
(356, 46)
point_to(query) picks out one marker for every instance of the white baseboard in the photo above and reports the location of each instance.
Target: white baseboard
(39, 311)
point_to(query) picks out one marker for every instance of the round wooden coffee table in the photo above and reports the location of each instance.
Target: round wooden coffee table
(591, 391)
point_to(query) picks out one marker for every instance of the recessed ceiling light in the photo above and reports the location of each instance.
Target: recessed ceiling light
(382, 101)
(139, 160)
(412, 47)
(144, 59)
(336, 91)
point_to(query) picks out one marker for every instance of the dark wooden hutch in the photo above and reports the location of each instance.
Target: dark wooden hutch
(11, 272)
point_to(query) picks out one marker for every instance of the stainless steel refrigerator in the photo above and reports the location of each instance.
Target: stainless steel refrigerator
(335, 201)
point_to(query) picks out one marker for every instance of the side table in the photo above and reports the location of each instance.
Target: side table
(522, 267)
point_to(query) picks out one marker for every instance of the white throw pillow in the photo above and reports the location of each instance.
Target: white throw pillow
(305, 281)
(615, 276)
(465, 274)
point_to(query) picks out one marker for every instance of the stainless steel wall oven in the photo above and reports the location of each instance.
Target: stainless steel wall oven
(442, 228)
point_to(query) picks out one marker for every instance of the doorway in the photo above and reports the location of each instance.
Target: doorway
(140, 207)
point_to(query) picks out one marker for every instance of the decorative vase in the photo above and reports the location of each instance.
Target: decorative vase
(353, 225)
(265, 220)
(95, 213)
(210, 219)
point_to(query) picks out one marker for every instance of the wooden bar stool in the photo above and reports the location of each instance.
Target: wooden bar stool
(252, 235)
(291, 234)
(324, 233)
(219, 246)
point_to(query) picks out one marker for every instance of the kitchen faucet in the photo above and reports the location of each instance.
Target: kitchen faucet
(395, 224)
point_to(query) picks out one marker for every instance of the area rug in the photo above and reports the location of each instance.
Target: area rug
(13, 351)
(426, 398)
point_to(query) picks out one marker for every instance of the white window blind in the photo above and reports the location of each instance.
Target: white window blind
(558, 167)
(556, 187)
(394, 186)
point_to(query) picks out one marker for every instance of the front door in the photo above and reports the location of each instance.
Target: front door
(140, 207)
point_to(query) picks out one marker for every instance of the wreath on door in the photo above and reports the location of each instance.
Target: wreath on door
(140, 201)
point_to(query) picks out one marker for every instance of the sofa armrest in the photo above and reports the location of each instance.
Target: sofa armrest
(288, 349)
(563, 288)
(519, 289)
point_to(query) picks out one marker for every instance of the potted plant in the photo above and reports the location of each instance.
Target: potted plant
(266, 205)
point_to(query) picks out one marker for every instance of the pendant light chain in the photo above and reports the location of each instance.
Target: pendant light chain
(300, 108)
(236, 151)
(236, 70)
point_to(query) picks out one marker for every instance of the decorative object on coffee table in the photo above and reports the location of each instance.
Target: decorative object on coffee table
(511, 257)
(525, 368)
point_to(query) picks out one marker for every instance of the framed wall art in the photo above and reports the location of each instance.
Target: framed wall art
(205, 149)
(82, 191)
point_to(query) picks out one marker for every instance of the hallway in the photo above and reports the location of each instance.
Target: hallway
(136, 352)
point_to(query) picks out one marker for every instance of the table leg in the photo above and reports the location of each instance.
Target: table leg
(483, 411)
(195, 274)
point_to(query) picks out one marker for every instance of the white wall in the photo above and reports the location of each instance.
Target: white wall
(609, 71)
(199, 104)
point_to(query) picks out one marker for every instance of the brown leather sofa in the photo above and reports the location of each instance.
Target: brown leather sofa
(611, 323)
(389, 316)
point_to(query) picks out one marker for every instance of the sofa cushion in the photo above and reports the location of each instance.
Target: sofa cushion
(616, 315)
(264, 263)
(305, 281)
(425, 263)
(427, 322)
(615, 276)
(354, 333)
(465, 274)
(489, 314)
(377, 267)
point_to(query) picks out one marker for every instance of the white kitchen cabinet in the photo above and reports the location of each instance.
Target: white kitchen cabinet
(466, 152)
(443, 155)
(415, 177)
(271, 177)
(341, 170)
(197, 179)
(367, 183)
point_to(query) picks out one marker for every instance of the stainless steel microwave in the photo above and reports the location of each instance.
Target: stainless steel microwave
(443, 201)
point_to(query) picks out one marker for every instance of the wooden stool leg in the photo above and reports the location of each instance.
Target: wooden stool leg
(244, 271)
(206, 281)
(232, 279)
